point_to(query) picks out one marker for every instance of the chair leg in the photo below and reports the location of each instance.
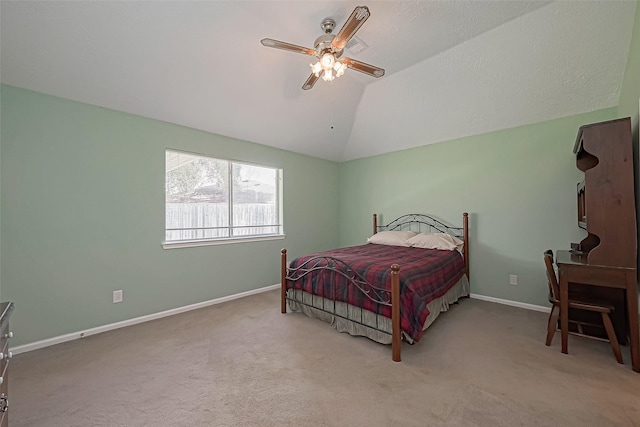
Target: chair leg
(611, 333)
(553, 323)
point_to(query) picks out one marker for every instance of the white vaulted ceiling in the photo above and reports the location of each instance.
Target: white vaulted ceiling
(453, 68)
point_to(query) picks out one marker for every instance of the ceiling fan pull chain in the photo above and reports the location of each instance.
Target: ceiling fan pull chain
(331, 113)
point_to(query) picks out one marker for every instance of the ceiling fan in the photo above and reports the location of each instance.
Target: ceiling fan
(328, 48)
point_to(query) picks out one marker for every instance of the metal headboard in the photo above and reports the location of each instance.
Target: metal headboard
(420, 224)
(425, 224)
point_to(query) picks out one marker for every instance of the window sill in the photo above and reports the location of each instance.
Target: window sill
(215, 242)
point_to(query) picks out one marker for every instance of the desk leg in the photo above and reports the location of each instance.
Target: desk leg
(632, 310)
(564, 310)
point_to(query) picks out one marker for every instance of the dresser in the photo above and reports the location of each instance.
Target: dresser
(6, 308)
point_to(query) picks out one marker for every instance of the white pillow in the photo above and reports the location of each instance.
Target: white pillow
(436, 241)
(392, 238)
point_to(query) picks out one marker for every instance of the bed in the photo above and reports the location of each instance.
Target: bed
(390, 289)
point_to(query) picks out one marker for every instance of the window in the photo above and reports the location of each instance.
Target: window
(214, 200)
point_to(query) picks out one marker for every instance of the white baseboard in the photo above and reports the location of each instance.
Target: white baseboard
(97, 330)
(81, 334)
(512, 303)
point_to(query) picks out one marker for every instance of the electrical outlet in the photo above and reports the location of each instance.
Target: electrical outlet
(117, 296)
(513, 280)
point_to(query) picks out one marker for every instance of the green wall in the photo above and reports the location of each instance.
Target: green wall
(518, 185)
(630, 92)
(83, 215)
(628, 106)
(0, 234)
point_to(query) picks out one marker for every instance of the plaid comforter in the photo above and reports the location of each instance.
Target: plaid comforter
(425, 274)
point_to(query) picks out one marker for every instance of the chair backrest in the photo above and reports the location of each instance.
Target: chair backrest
(554, 290)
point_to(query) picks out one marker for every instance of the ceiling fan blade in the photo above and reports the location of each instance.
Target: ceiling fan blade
(310, 81)
(371, 70)
(287, 46)
(354, 22)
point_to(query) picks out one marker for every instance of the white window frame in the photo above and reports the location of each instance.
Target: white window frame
(209, 241)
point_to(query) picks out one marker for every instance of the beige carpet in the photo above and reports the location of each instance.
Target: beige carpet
(242, 363)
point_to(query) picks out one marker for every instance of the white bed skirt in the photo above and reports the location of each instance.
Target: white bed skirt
(356, 321)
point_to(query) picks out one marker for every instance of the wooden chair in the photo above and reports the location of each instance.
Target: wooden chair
(554, 298)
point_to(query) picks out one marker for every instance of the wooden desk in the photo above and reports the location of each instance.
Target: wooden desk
(575, 269)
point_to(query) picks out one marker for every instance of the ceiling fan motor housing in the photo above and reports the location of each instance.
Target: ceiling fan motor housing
(323, 45)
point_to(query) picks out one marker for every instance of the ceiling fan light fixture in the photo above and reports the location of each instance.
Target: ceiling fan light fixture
(327, 61)
(316, 68)
(329, 67)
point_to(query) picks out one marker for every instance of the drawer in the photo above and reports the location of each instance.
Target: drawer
(4, 404)
(4, 374)
(4, 357)
(4, 329)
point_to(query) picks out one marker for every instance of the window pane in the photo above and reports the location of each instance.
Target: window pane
(197, 197)
(255, 200)
(208, 199)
